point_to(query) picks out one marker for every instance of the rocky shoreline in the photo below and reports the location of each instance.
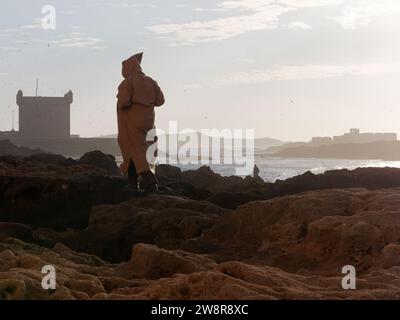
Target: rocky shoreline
(203, 236)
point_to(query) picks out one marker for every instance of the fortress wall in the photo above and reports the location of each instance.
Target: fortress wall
(71, 147)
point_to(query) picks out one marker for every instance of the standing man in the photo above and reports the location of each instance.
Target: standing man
(138, 94)
(256, 172)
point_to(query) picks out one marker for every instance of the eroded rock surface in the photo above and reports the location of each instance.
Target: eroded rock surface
(313, 232)
(185, 276)
(203, 237)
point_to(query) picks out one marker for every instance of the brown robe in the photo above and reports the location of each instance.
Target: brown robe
(137, 96)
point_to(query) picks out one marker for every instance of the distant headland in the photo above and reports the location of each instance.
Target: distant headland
(351, 145)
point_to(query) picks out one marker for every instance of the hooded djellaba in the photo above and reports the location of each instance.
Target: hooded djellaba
(138, 94)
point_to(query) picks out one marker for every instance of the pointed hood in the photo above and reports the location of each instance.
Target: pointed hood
(132, 65)
(139, 57)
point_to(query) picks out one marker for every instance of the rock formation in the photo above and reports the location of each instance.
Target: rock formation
(8, 148)
(203, 236)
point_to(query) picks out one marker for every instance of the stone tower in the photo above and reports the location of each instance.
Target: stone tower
(44, 117)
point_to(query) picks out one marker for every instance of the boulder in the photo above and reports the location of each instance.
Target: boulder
(46, 190)
(15, 230)
(100, 160)
(164, 171)
(150, 262)
(166, 221)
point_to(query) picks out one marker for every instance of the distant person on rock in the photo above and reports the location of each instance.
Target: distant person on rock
(137, 96)
(256, 172)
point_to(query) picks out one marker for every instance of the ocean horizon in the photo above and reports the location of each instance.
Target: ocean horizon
(275, 168)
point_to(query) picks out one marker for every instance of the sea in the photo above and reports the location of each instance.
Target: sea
(273, 168)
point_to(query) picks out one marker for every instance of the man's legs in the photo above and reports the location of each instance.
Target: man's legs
(147, 180)
(132, 175)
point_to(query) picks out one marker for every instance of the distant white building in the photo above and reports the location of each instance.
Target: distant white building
(354, 136)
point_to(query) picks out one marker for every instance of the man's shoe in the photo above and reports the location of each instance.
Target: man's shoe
(148, 182)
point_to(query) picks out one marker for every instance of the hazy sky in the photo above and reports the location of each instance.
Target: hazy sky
(290, 69)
